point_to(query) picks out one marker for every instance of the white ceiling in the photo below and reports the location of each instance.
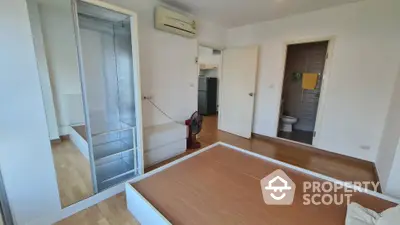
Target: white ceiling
(233, 13)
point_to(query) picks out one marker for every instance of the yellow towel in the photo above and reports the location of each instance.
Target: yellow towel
(310, 81)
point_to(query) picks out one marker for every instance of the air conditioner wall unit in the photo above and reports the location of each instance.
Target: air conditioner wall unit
(173, 22)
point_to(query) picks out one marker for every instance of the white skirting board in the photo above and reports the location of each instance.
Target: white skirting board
(79, 142)
(146, 214)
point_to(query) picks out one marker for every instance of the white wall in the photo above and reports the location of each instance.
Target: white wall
(167, 61)
(60, 47)
(207, 57)
(392, 187)
(388, 158)
(205, 51)
(168, 69)
(25, 155)
(363, 69)
(211, 34)
(43, 70)
(168, 72)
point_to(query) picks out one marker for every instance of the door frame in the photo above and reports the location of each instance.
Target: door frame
(136, 79)
(219, 84)
(220, 89)
(324, 86)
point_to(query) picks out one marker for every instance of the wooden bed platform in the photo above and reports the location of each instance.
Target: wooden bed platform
(221, 185)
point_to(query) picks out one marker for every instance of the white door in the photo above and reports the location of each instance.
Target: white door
(239, 70)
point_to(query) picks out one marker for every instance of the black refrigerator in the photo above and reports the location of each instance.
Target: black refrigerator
(207, 102)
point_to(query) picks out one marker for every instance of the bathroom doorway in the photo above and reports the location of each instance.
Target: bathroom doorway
(301, 91)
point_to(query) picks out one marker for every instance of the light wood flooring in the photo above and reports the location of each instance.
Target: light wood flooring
(327, 163)
(222, 186)
(334, 165)
(73, 173)
(109, 212)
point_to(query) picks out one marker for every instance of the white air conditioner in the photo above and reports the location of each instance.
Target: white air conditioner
(173, 22)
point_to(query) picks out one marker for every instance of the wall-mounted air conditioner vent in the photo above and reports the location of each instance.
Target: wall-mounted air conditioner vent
(173, 22)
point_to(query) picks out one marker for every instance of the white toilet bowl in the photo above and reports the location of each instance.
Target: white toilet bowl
(287, 123)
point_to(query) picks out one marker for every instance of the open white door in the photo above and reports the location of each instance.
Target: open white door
(239, 70)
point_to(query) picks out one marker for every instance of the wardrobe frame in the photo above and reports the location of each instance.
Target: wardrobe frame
(136, 80)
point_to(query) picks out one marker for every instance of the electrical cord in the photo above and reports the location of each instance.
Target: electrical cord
(164, 113)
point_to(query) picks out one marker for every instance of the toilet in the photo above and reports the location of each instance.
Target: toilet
(287, 123)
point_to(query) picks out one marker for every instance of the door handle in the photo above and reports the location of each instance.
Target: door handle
(251, 94)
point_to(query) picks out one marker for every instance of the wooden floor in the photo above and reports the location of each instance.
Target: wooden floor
(222, 186)
(329, 164)
(73, 173)
(109, 212)
(333, 165)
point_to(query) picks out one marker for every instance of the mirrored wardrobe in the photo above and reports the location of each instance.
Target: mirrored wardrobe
(88, 63)
(108, 88)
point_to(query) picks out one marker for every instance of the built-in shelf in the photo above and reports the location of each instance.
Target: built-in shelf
(111, 149)
(112, 182)
(126, 128)
(115, 169)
